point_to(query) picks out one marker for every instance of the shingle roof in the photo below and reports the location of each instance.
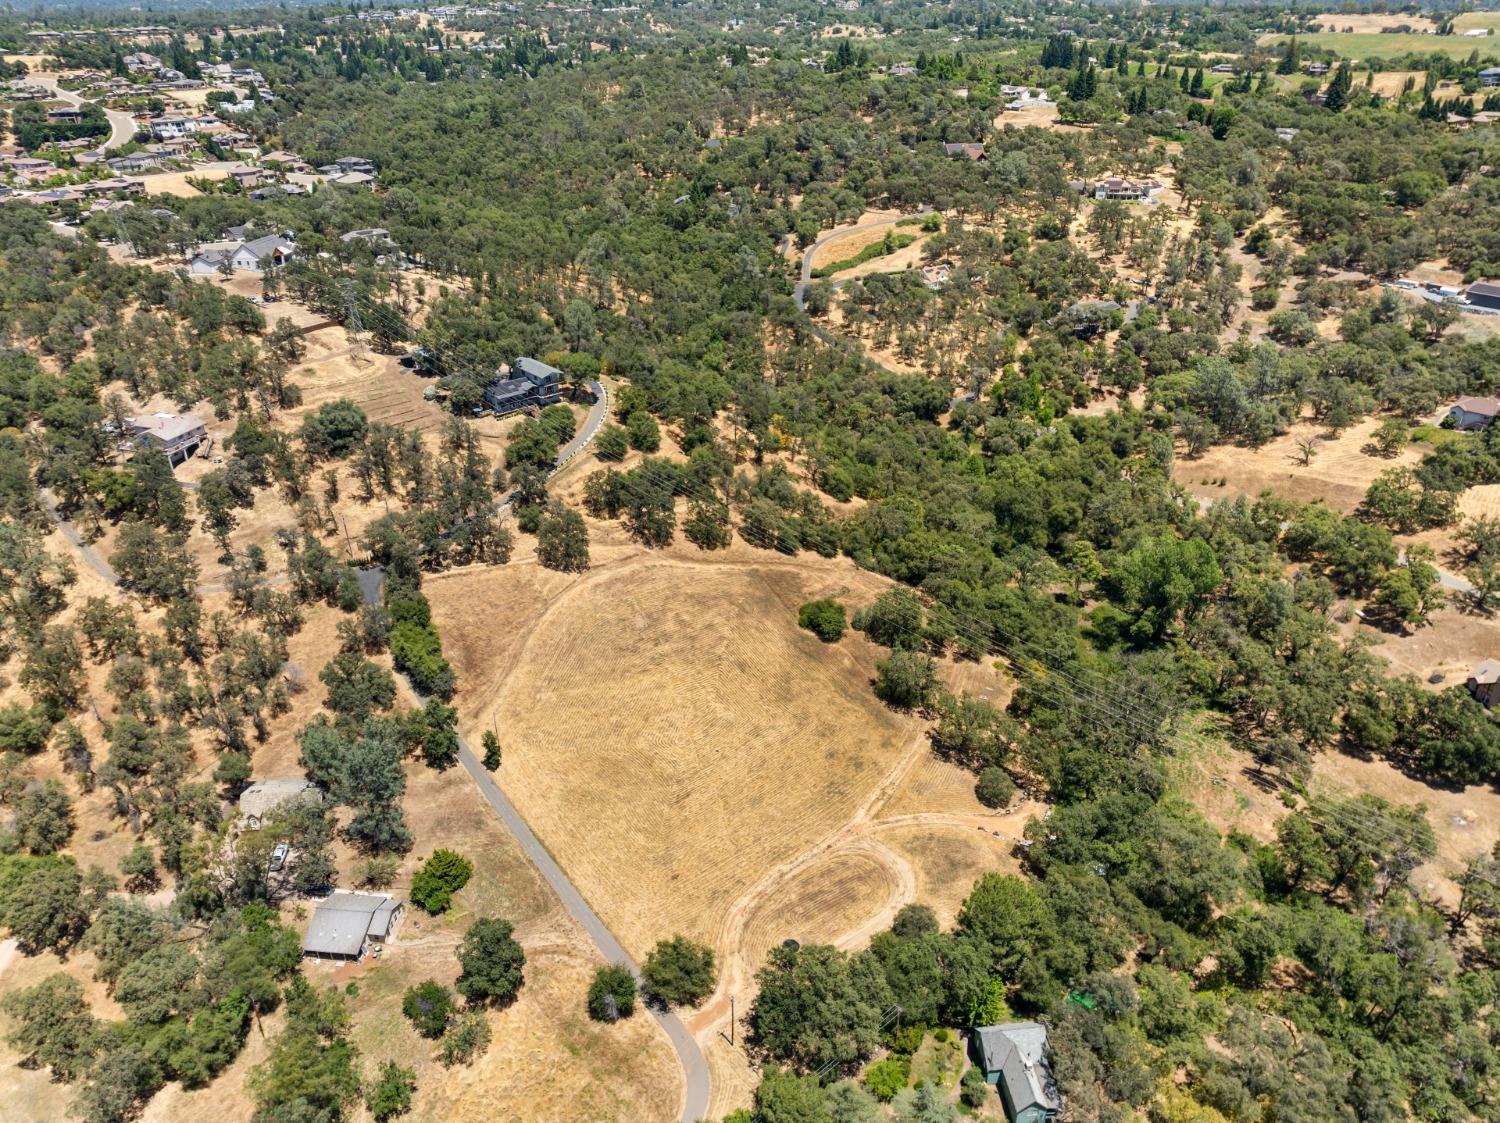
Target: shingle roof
(1018, 1051)
(264, 795)
(1485, 407)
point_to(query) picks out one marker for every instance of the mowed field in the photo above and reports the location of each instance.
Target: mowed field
(1374, 44)
(700, 765)
(671, 734)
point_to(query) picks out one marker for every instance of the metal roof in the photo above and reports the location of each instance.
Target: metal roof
(343, 921)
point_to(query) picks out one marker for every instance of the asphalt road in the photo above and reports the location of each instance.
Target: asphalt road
(121, 125)
(694, 1067)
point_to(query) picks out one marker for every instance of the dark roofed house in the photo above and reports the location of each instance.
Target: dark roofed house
(1484, 294)
(1490, 76)
(1473, 413)
(529, 383)
(971, 150)
(1013, 1057)
(345, 924)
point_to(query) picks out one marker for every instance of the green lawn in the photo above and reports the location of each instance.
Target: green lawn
(1363, 45)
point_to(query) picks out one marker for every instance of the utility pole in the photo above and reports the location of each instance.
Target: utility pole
(731, 1019)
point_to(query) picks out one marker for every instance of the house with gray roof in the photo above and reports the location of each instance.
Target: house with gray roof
(1473, 412)
(530, 383)
(1013, 1057)
(344, 925)
(176, 435)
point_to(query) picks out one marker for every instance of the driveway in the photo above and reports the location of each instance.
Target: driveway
(121, 125)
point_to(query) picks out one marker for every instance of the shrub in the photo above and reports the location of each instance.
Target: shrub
(467, 1040)
(429, 1006)
(885, 1078)
(612, 982)
(678, 972)
(975, 1089)
(442, 875)
(612, 443)
(823, 618)
(643, 431)
(419, 652)
(995, 787)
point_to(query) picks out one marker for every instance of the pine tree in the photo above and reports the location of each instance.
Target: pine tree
(1337, 96)
(1196, 89)
(1290, 58)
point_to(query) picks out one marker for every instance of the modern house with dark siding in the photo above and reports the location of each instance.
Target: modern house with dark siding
(530, 383)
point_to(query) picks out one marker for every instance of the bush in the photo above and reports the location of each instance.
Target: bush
(616, 982)
(906, 679)
(467, 1040)
(823, 618)
(612, 443)
(678, 972)
(419, 652)
(995, 787)
(975, 1089)
(333, 429)
(885, 1078)
(442, 875)
(428, 1005)
(644, 433)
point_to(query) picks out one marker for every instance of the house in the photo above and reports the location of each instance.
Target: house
(142, 63)
(1317, 69)
(348, 164)
(1222, 68)
(1484, 294)
(65, 115)
(1116, 188)
(135, 162)
(173, 127)
(254, 256)
(354, 179)
(1013, 1057)
(971, 150)
(177, 435)
(1286, 132)
(1490, 76)
(375, 236)
(264, 796)
(529, 384)
(345, 924)
(902, 70)
(1484, 683)
(249, 177)
(1473, 413)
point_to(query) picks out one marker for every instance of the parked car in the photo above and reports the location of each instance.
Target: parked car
(278, 856)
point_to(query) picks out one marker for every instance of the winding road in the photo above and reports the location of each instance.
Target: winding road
(122, 127)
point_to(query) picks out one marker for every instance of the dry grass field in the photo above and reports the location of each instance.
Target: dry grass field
(852, 238)
(1222, 783)
(699, 765)
(687, 690)
(1339, 475)
(1367, 22)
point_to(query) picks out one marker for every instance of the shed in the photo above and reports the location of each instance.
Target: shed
(1484, 294)
(345, 924)
(1484, 683)
(264, 796)
(1013, 1057)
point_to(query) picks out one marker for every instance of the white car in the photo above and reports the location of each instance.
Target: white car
(278, 856)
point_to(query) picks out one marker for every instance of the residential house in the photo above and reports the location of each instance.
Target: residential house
(354, 179)
(65, 115)
(264, 796)
(1117, 188)
(375, 235)
(344, 925)
(529, 384)
(1286, 132)
(177, 435)
(142, 63)
(1013, 1057)
(250, 177)
(134, 163)
(1317, 69)
(173, 127)
(1484, 294)
(902, 70)
(254, 256)
(1473, 413)
(969, 150)
(1490, 76)
(1484, 683)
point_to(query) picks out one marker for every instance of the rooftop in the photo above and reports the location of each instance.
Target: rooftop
(343, 921)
